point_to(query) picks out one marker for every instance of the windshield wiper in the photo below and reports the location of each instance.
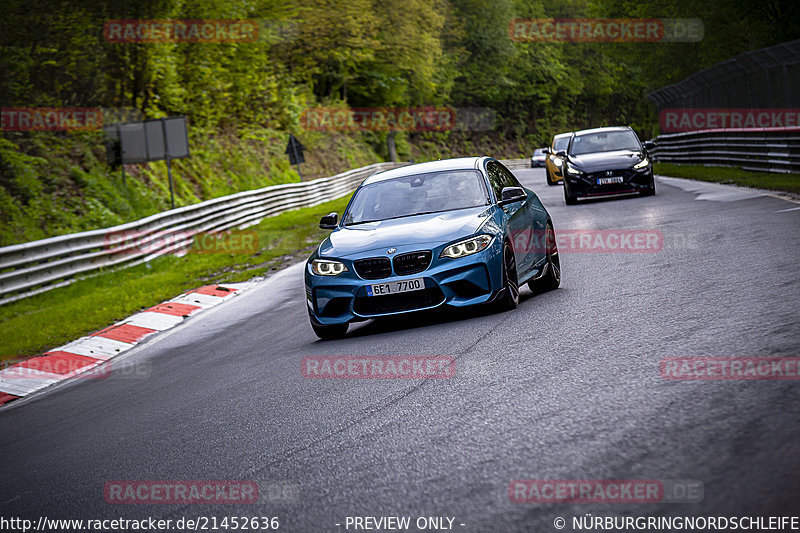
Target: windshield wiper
(399, 216)
(413, 215)
(611, 150)
(388, 218)
(363, 222)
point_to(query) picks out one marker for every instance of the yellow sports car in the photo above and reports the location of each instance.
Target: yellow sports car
(553, 163)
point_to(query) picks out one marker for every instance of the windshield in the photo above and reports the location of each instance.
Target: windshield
(417, 194)
(605, 141)
(560, 144)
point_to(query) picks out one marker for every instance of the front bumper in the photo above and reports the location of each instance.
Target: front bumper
(555, 170)
(466, 281)
(633, 181)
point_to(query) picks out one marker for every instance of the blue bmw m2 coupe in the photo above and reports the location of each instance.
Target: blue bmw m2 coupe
(457, 232)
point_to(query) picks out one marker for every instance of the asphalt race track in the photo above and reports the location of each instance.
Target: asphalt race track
(567, 386)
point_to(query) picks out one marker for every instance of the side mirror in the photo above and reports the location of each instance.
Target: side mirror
(329, 221)
(649, 145)
(512, 194)
(547, 151)
(561, 153)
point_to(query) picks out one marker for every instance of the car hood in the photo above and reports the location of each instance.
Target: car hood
(606, 160)
(400, 232)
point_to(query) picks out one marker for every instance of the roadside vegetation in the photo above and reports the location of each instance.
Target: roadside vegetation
(242, 99)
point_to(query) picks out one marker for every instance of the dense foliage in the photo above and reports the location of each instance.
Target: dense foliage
(354, 53)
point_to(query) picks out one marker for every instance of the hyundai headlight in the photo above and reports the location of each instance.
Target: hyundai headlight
(326, 267)
(468, 247)
(573, 170)
(641, 164)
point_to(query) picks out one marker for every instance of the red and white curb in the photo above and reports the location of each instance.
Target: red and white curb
(89, 352)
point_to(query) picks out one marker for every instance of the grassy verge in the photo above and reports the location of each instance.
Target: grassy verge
(736, 176)
(33, 325)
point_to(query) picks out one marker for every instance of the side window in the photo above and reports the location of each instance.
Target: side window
(495, 178)
(509, 180)
(500, 177)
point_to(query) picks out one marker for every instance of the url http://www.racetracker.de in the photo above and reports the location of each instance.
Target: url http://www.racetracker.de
(200, 523)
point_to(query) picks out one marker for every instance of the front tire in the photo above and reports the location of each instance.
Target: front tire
(552, 279)
(336, 331)
(510, 298)
(568, 198)
(550, 180)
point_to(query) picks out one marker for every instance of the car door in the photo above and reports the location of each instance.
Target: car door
(534, 218)
(519, 221)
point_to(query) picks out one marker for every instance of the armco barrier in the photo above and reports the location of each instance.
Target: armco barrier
(38, 266)
(765, 150)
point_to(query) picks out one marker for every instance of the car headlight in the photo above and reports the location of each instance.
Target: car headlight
(574, 171)
(326, 267)
(641, 164)
(467, 247)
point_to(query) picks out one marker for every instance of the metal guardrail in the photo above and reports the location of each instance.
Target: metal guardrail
(765, 78)
(38, 266)
(516, 164)
(766, 150)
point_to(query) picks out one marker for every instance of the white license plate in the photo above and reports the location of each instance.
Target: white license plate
(394, 287)
(608, 181)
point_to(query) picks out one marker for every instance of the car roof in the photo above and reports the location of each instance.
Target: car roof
(598, 130)
(461, 163)
(559, 135)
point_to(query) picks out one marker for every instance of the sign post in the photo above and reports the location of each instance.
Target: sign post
(295, 151)
(169, 167)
